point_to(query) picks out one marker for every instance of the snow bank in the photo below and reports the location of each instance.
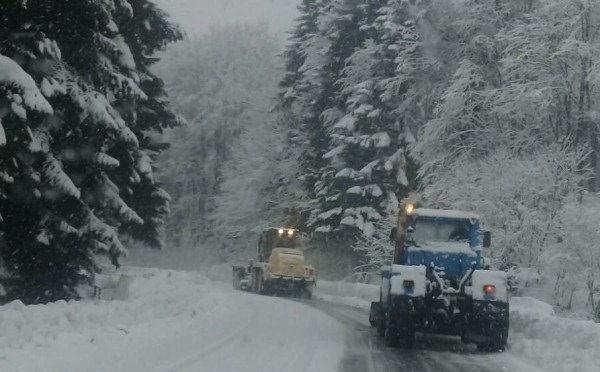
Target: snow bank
(155, 294)
(556, 344)
(357, 295)
(172, 321)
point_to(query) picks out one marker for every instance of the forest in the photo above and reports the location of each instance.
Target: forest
(487, 106)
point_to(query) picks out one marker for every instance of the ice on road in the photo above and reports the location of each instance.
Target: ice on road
(172, 322)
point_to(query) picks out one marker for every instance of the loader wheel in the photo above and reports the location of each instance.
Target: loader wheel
(307, 291)
(307, 294)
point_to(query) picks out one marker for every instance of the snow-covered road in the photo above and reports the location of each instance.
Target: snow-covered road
(174, 322)
(365, 352)
(180, 321)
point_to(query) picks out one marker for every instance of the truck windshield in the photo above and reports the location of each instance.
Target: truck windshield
(429, 230)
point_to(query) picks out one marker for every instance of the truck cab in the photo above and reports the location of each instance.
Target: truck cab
(447, 239)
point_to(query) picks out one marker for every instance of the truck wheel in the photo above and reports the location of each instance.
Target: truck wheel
(407, 337)
(495, 342)
(496, 337)
(381, 326)
(390, 335)
(492, 345)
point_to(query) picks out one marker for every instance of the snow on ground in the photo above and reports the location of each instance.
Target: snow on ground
(357, 295)
(537, 336)
(557, 344)
(172, 321)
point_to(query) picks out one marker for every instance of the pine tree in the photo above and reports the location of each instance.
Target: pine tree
(365, 163)
(371, 140)
(296, 52)
(81, 171)
(339, 32)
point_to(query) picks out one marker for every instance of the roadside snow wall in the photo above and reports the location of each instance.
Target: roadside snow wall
(556, 344)
(154, 295)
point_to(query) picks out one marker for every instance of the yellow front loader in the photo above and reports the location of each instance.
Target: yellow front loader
(280, 269)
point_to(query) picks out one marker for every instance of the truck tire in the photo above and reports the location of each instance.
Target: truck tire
(405, 331)
(407, 337)
(492, 345)
(381, 326)
(497, 338)
(390, 334)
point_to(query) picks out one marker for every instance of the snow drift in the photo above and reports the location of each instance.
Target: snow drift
(556, 344)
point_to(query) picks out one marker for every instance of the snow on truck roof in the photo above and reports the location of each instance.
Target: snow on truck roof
(445, 213)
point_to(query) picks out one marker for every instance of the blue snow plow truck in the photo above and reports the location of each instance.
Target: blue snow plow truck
(440, 283)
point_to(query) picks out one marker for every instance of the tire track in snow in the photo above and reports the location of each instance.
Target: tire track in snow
(193, 359)
(365, 351)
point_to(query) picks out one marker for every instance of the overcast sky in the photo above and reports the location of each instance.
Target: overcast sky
(197, 16)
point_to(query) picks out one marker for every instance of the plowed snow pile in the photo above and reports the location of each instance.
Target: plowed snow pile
(172, 321)
(154, 295)
(555, 343)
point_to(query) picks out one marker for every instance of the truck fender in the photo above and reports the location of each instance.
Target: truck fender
(408, 281)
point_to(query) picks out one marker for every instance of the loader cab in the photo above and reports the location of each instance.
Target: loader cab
(272, 238)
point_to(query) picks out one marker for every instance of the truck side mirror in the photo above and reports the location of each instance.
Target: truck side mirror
(487, 239)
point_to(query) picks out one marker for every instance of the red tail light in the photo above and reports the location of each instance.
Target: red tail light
(489, 289)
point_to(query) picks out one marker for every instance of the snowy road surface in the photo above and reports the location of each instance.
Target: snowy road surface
(174, 322)
(182, 322)
(364, 351)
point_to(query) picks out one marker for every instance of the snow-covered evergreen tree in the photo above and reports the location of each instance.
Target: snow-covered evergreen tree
(338, 33)
(304, 86)
(77, 162)
(370, 141)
